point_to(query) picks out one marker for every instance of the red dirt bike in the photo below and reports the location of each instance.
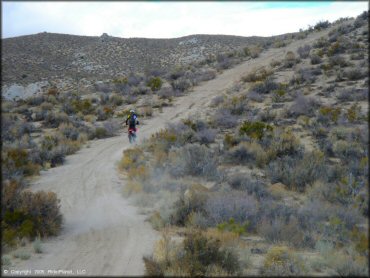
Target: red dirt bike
(132, 135)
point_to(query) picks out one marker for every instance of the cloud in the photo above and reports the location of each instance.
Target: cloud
(170, 19)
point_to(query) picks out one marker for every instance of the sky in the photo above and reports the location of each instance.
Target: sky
(162, 19)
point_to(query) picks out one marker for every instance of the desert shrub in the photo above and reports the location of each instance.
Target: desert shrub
(198, 256)
(281, 261)
(240, 206)
(28, 214)
(304, 51)
(290, 59)
(116, 99)
(257, 75)
(247, 153)
(253, 186)
(216, 101)
(22, 254)
(155, 83)
(237, 105)
(16, 161)
(193, 159)
(112, 127)
(133, 157)
(166, 93)
(357, 56)
(184, 208)
(223, 62)
(327, 113)
(6, 260)
(279, 95)
(353, 113)
(338, 60)
(335, 48)
(182, 84)
(131, 98)
(296, 172)
(315, 59)
(348, 264)
(54, 119)
(233, 227)
(37, 246)
(348, 150)
(56, 155)
(281, 143)
(253, 95)
(303, 106)
(100, 132)
(304, 76)
(35, 100)
(355, 73)
(289, 232)
(69, 131)
(254, 130)
(224, 119)
(84, 106)
(254, 51)
(275, 63)
(321, 25)
(353, 95)
(265, 86)
(206, 74)
(103, 87)
(174, 136)
(205, 136)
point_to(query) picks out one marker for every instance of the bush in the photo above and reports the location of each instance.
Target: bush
(182, 84)
(321, 25)
(22, 254)
(199, 255)
(353, 95)
(304, 76)
(315, 59)
(281, 261)
(194, 160)
(54, 119)
(155, 83)
(265, 87)
(37, 247)
(290, 59)
(303, 106)
(224, 119)
(253, 186)
(245, 153)
(297, 173)
(240, 206)
(355, 74)
(28, 214)
(254, 130)
(201, 252)
(257, 75)
(206, 136)
(304, 51)
(329, 114)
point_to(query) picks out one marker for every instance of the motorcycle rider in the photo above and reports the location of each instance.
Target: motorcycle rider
(132, 121)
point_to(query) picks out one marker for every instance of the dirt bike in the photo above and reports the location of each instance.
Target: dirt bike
(132, 135)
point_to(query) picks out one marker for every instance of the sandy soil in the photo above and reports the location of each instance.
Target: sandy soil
(103, 234)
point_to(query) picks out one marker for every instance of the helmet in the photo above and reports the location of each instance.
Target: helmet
(132, 111)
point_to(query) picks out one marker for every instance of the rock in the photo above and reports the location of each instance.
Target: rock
(256, 251)
(16, 91)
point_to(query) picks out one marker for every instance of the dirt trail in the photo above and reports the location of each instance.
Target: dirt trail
(103, 234)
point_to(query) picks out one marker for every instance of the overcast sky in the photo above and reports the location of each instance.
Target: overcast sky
(169, 19)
